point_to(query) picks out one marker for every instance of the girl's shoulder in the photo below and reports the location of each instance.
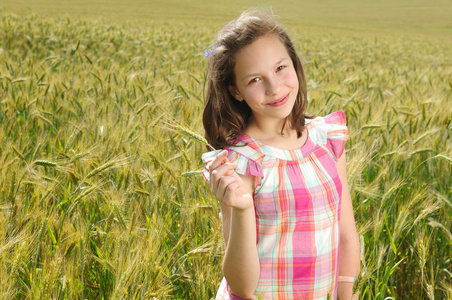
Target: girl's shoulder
(337, 117)
(329, 131)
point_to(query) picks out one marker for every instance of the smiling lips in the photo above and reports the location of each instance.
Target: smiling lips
(280, 101)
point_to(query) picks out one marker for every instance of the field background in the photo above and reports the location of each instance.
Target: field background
(100, 142)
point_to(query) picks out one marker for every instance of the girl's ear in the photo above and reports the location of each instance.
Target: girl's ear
(235, 93)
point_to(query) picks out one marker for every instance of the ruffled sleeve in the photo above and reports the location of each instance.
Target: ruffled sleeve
(245, 165)
(336, 133)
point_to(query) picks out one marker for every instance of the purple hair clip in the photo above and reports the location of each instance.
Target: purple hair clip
(210, 53)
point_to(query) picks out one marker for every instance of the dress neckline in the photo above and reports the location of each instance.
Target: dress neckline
(283, 154)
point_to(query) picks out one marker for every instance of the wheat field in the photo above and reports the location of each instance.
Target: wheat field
(101, 195)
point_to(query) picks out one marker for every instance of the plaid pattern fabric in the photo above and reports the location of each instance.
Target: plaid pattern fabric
(297, 203)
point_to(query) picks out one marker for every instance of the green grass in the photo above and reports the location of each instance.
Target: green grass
(100, 194)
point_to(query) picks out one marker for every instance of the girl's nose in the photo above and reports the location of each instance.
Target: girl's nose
(273, 86)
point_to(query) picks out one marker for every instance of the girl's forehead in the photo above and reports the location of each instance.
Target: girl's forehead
(263, 42)
(261, 54)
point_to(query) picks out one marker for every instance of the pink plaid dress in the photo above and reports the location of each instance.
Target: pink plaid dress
(297, 203)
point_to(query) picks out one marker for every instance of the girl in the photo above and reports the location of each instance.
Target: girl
(281, 179)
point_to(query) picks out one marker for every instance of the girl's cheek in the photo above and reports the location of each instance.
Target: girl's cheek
(252, 94)
(292, 78)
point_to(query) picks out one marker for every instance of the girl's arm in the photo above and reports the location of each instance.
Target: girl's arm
(234, 192)
(349, 253)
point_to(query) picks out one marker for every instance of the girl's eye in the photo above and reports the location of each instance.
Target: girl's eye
(254, 80)
(280, 68)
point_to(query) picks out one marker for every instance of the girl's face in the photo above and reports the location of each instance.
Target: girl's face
(265, 79)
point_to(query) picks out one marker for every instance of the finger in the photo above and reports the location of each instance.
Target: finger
(218, 160)
(234, 174)
(226, 183)
(218, 173)
(223, 182)
(229, 196)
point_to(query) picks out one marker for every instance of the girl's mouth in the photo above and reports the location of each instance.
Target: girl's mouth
(280, 101)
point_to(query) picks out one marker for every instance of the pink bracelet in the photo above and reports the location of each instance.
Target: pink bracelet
(347, 279)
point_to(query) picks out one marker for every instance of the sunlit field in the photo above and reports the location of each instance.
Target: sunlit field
(101, 195)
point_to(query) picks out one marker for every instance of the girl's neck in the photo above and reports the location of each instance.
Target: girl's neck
(269, 133)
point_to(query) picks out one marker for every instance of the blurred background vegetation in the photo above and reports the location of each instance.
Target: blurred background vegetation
(100, 110)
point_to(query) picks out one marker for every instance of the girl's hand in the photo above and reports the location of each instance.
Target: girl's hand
(229, 188)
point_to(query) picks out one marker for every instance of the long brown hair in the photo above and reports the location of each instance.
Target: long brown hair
(225, 118)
